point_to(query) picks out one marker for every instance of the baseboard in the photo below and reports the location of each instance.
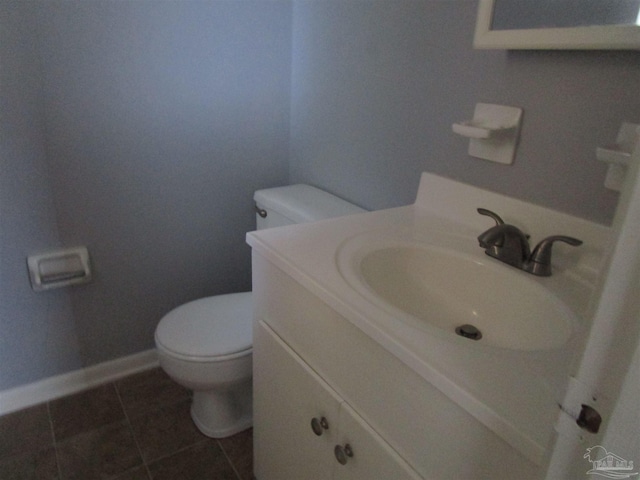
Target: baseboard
(76, 381)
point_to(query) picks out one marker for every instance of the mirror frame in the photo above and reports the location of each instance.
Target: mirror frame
(601, 37)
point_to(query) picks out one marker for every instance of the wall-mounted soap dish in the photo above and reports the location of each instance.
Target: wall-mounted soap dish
(493, 132)
(618, 155)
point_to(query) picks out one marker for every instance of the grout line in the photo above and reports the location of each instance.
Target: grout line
(224, 452)
(135, 439)
(153, 460)
(180, 450)
(55, 441)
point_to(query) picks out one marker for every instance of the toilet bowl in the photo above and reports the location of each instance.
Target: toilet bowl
(206, 345)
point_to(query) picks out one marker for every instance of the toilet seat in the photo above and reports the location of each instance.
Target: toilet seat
(209, 329)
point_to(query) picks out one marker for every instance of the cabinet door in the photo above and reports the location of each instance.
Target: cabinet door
(372, 458)
(287, 396)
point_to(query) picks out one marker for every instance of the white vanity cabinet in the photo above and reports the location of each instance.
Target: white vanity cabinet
(447, 407)
(304, 430)
(311, 362)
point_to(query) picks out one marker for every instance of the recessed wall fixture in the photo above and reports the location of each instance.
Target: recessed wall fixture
(59, 268)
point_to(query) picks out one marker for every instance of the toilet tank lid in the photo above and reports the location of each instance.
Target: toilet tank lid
(304, 203)
(209, 327)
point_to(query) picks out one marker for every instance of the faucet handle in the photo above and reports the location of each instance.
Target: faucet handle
(540, 259)
(489, 213)
(496, 246)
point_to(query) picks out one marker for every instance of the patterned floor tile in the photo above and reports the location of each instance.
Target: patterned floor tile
(165, 431)
(150, 390)
(138, 428)
(26, 431)
(203, 461)
(85, 411)
(39, 465)
(99, 454)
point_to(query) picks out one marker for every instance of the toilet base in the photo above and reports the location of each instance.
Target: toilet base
(222, 414)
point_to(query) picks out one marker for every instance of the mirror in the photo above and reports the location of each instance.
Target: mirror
(558, 24)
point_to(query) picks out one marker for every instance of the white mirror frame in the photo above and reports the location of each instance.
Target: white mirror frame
(601, 37)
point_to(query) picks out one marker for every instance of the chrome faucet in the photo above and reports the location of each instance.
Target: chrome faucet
(510, 245)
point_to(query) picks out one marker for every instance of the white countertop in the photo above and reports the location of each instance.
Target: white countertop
(514, 393)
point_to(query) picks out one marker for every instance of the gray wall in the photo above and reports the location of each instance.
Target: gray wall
(148, 125)
(141, 128)
(37, 332)
(377, 84)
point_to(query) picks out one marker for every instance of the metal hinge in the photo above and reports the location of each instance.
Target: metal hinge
(575, 406)
(587, 419)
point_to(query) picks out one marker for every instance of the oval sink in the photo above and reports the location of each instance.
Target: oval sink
(485, 301)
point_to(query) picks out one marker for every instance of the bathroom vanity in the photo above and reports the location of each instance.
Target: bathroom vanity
(351, 384)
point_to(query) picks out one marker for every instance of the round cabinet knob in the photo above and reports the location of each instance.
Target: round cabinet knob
(319, 425)
(343, 453)
(261, 211)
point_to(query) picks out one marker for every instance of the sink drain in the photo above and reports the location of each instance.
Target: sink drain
(469, 331)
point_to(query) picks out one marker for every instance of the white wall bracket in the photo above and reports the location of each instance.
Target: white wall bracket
(618, 155)
(493, 132)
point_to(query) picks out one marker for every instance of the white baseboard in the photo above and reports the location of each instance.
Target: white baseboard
(76, 381)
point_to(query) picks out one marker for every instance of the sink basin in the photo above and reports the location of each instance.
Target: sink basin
(431, 286)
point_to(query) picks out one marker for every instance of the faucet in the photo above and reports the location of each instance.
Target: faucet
(510, 245)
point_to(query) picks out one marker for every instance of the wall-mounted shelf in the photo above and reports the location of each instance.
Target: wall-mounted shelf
(493, 132)
(618, 155)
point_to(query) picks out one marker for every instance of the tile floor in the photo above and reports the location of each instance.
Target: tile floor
(137, 428)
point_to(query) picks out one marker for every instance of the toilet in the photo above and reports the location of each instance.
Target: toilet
(206, 345)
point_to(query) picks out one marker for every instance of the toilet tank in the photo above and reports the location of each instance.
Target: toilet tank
(299, 203)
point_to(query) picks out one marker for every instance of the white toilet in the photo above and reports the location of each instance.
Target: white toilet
(206, 345)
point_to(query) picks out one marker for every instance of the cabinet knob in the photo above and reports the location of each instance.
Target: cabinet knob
(261, 211)
(343, 453)
(319, 425)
